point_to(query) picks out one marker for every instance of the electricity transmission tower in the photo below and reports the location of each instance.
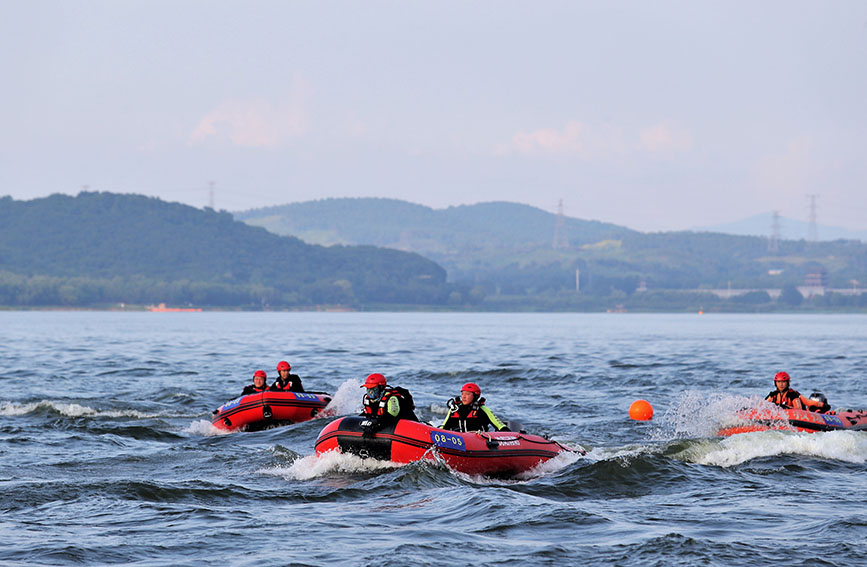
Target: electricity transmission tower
(774, 240)
(813, 230)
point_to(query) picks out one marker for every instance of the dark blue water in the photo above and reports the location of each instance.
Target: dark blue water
(108, 456)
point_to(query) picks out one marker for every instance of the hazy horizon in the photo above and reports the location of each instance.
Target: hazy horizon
(662, 116)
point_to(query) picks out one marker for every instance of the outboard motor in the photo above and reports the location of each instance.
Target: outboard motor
(820, 397)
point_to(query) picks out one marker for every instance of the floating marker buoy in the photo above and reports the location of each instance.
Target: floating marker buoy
(641, 410)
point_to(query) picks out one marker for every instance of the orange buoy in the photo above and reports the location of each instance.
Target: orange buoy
(641, 410)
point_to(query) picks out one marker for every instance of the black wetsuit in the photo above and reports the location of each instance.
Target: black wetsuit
(473, 417)
(252, 389)
(292, 384)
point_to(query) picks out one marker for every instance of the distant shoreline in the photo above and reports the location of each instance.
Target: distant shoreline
(438, 309)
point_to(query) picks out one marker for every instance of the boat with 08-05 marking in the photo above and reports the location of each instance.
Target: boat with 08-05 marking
(499, 453)
(255, 412)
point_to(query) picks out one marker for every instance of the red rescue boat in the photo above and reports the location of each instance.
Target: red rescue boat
(269, 409)
(500, 454)
(763, 419)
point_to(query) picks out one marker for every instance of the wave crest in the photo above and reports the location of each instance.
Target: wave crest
(314, 466)
(847, 446)
(68, 409)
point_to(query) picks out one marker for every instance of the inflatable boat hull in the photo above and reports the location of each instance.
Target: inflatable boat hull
(478, 453)
(268, 409)
(796, 420)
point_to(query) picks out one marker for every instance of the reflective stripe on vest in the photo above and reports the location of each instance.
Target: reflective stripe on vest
(380, 405)
(462, 421)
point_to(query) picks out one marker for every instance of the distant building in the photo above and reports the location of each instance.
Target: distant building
(816, 278)
(815, 282)
(730, 292)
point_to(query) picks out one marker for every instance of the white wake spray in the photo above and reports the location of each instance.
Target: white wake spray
(206, 428)
(551, 466)
(703, 414)
(314, 466)
(847, 446)
(345, 400)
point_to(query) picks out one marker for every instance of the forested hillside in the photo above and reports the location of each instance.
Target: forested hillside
(507, 249)
(104, 247)
(443, 232)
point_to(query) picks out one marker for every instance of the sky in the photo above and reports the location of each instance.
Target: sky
(653, 115)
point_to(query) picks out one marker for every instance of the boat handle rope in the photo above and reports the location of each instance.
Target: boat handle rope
(490, 439)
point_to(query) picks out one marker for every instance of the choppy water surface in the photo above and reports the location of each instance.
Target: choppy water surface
(109, 456)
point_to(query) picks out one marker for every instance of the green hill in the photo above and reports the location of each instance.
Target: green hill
(469, 240)
(399, 224)
(104, 247)
(506, 249)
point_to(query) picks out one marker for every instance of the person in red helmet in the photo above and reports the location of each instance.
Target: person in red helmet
(286, 382)
(469, 412)
(783, 395)
(786, 397)
(259, 384)
(384, 405)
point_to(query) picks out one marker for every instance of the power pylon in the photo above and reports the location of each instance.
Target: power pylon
(774, 240)
(813, 230)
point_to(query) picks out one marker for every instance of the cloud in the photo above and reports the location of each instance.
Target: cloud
(549, 140)
(254, 123)
(575, 138)
(663, 138)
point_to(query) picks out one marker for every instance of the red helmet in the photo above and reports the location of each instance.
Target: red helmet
(374, 380)
(781, 377)
(283, 365)
(472, 387)
(260, 374)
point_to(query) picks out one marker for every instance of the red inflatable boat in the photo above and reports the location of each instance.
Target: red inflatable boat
(796, 420)
(269, 409)
(491, 454)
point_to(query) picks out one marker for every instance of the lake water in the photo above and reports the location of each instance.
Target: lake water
(109, 457)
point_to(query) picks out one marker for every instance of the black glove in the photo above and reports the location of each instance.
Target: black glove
(452, 404)
(368, 429)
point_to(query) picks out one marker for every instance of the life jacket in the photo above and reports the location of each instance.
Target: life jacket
(293, 384)
(474, 420)
(784, 399)
(377, 408)
(252, 389)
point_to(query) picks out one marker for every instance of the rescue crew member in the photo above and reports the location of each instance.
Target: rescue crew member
(384, 405)
(285, 381)
(259, 384)
(469, 412)
(786, 397)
